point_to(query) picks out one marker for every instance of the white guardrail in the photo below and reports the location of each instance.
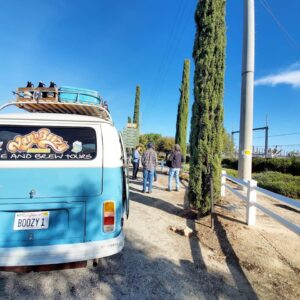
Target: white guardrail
(251, 189)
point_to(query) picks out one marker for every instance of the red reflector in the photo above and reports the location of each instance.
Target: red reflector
(109, 220)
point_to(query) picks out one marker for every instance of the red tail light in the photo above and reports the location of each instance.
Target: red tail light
(109, 216)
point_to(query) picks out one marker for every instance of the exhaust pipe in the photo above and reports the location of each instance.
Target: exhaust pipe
(95, 262)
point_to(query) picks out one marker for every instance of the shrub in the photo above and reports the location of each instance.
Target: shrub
(271, 164)
(230, 163)
(259, 164)
(231, 172)
(185, 167)
(284, 184)
(294, 168)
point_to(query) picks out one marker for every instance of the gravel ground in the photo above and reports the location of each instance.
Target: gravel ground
(232, 262)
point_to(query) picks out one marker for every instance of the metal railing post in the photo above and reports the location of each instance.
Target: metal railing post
(251, 199)
(223, 183)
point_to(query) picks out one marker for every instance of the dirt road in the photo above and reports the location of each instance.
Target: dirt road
(232, 262)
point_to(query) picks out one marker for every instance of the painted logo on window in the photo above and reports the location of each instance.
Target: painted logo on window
(47, 143)
(41, 141)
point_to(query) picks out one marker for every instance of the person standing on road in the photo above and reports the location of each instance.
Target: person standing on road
(149, 162)
(135, 162)
(176, 160)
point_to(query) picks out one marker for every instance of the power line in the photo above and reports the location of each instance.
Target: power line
(276, 135)
(164, 73)
(167, 48)
(277, 145)
(289, 37)
(177, 43)
(175, 37)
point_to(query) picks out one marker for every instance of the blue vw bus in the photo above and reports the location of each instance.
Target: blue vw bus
(63, 184)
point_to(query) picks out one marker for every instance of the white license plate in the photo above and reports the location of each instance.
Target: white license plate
(31, 220)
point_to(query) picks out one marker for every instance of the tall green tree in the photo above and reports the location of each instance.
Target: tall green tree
(207, 116)
(150, 137)
(136, 114)
(165, 144)
(183, 108)
(129, 120)
(228, 145)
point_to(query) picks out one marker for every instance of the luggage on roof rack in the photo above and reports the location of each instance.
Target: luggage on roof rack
(68, 100)
(72, 95)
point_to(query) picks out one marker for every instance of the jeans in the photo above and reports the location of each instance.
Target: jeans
(172, 172)
(155, 175)
(135, 169)
(148, 178)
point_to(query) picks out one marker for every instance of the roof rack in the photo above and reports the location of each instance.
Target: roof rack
(32, 100)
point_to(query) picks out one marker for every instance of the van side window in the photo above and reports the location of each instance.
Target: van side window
(47, 143)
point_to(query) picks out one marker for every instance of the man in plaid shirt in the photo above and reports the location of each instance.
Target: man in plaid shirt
(149, 162)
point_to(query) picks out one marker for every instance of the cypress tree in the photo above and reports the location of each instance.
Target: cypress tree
(129, 120)
(136, 114)
(183, 108)
(207, 116)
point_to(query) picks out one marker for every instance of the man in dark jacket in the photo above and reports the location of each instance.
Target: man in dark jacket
(176, 160)
(149, 162)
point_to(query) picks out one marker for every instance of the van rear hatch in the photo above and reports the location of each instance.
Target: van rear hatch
(48, 162)
(46, 176)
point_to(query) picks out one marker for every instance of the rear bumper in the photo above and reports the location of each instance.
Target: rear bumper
(57, 254)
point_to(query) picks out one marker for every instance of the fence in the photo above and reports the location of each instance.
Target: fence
(249, 196)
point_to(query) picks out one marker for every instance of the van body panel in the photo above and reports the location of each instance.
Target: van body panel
(17, 185)
(58, 119)
(112, 190)
(82, 214)
(112, 156)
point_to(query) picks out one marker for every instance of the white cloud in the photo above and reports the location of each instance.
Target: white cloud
(291, 76)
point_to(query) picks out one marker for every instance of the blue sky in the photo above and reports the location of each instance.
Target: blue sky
(111, 46)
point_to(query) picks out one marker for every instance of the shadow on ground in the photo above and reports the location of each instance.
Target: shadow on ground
(152, 201)
(244, 289)
(131, 274)
(136, 274)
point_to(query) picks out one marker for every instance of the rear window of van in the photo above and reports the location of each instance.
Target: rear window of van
(47, 143)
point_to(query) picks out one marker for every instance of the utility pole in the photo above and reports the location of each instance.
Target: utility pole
(266, 141)
(246, 117)
(266, 138)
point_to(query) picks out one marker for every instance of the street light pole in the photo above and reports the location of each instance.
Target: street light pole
(246, 117)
